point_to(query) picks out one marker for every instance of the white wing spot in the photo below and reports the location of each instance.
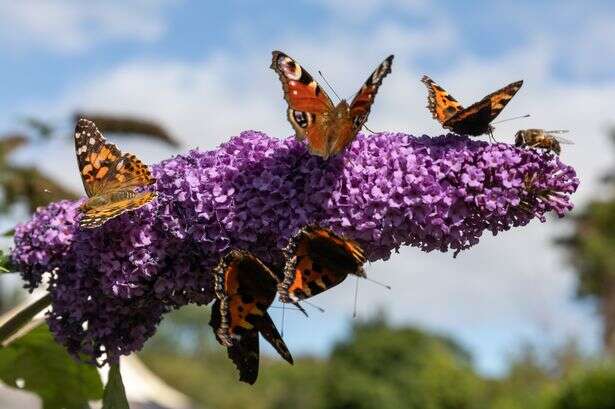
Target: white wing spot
(77, 135)
(295, 92)
(92, 141)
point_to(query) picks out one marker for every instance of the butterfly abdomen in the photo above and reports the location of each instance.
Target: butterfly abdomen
(108, 198)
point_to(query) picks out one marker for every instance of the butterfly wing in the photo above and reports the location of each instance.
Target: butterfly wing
(245, 289)
(476, 119)
(440, 103)
(108, 175)
(270, 333)
(309, 106)
(99, 215)
(95, 157)
(244, 352)
(361, 105)
(102, 165)
(318, 259)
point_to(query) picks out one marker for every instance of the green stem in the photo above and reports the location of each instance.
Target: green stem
(24, 316)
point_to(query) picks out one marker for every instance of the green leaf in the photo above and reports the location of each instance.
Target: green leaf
(36, 363)
(115, 395)
(4, 263)
(9, 233)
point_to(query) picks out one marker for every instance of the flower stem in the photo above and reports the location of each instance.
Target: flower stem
(13, 324)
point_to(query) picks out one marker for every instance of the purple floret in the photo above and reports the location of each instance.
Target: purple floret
(110, 286)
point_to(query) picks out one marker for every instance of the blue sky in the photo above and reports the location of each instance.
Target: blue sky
(201, 68)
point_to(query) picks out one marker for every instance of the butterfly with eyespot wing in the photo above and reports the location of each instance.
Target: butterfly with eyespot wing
(327, 128)
(316, 260)
(474, 120)
(245, 288)
(109, 177)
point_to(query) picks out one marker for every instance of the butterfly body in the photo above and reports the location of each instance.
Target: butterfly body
(328, 128)
(474, 120)
(107, 199)
(318, 259)
(110, 178)
(245, 288)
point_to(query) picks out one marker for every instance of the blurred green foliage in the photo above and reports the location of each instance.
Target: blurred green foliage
(35, 362)
(25, 184)
(381, 367)
(377, 366)
(4, 263)
(594, 389)
(591, 251)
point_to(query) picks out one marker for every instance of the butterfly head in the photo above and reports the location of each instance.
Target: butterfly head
(519, 138)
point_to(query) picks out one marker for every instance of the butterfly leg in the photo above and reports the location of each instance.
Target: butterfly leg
(491, 137)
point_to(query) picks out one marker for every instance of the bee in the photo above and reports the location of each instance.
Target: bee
(539, 138)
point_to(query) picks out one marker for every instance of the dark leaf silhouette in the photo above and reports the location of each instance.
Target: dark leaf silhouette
(121, 124)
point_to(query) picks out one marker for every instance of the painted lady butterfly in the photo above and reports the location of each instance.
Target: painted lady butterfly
(109, 177)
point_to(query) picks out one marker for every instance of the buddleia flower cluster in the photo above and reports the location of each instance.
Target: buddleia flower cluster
(111, 286)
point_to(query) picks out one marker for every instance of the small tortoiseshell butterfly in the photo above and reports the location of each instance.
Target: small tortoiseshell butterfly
(109, 177)
(474, 120)
(327, 128)
(245, 288)
(316, 260)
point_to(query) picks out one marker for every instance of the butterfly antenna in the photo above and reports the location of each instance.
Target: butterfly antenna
(314, 306)
(276, 307)
(329, 85)
(511, 119)
(365, 126)
(300, 308)
(557, 131)
(388, 287)
(283, 321)
(356, 298)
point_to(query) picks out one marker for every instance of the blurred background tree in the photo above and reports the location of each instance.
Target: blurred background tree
(591, 250)
(378, 366)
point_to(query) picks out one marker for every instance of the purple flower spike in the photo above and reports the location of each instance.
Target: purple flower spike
(110, 286)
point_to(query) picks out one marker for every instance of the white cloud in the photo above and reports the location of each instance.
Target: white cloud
(510, 287)
(360, 10)
(69, 26)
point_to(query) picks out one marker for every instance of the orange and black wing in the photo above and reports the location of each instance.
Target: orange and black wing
(476, 119)
(245, 289)
(102, 165)
(244, 351)
(440, 103)
(361, 104)
(308, 104)
(99, 215)
(318, 259)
